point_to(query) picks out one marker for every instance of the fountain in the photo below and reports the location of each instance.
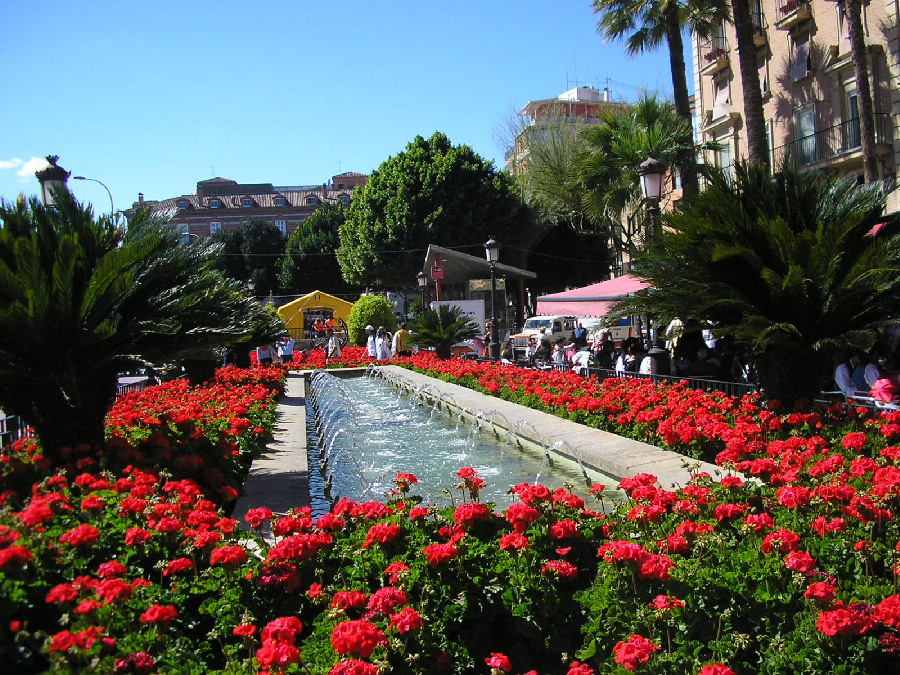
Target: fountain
(362, 435)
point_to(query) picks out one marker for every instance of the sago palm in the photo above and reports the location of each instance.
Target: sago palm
(791, 264)
(81, 301)
(442, 328)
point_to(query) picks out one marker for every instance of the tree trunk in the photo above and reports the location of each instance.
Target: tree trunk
(754, 120)
(689, 182)
(64, 416)
(789, 373)
(853, 13)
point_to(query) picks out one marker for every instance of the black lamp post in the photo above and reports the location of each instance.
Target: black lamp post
(652, 173)
(492, 252)
(51, 178)
(422, 279)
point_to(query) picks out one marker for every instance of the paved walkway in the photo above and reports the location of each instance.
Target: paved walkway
(279, 477)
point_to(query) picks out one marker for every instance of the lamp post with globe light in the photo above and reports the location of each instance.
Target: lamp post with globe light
(652, 172)
(492, 252)
(52, 177)
(422, 280)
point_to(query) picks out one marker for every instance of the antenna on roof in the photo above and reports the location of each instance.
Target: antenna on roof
(212, 170)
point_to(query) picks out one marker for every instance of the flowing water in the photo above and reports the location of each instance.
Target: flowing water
(362, 432)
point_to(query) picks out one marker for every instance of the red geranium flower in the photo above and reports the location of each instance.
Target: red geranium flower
(499, 662)
(359, 638)
(633, 652)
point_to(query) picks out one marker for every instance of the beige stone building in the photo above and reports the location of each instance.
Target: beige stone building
(808, 84)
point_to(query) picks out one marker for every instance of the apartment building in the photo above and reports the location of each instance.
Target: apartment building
(224, 204)
(572, 109)
(808, 83)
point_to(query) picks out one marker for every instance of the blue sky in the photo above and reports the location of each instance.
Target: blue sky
(152, 97)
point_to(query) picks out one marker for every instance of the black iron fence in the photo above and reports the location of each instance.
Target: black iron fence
(730, 388)
(832, 142)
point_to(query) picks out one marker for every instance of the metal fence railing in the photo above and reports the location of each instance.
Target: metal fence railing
(11, 428)
(730, 388)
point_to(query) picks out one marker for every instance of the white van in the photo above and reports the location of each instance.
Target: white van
(538, 327)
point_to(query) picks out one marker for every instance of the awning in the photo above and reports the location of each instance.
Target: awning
(459, 267)
(594, 300)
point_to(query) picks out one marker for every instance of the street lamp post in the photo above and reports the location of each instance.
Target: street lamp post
(422, 279)
(652, 173)
(51, 178)
(112, 207)
(492, 252)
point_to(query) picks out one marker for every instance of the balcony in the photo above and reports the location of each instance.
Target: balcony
(839, 146)
(760, 39)
(790, 13)
(714, 53)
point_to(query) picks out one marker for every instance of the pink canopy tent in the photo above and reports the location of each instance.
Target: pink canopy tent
(594, 300)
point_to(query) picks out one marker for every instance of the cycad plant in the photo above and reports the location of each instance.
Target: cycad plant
(81, 301)
(796, 265)
(442, 328)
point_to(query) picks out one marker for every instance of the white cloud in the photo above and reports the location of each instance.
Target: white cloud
(10, 163)
(32, 165)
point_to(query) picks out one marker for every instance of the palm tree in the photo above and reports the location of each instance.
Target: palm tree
(646, 24)
(858, 49)
(754, 118)
(442, 328)
(82, 301)
(607, 169)
(791, 264)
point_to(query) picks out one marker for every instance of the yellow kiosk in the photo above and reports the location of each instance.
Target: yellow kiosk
(301, 315)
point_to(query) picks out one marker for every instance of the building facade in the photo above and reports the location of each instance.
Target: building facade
(570, 110)
(806, 73)
(224, 204)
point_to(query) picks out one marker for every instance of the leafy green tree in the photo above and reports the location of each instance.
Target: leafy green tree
(251, 253)
(647, 24)
(370, 310)
(82, 301)
(442, 328)
(310, 262)
(791, 264)
(431, 193)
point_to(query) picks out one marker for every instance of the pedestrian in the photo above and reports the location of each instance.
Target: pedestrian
(264, 355)
(382, 344)
(402, 342)
(286, 349)
(370, 341)
(332, 346)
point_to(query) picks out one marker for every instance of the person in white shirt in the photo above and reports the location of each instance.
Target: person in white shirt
(370, 341)
(582, 361)
(286, 349)
(332, 345)
(382, 344)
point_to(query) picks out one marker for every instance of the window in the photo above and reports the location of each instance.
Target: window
(723, 154)
(182, 204)
(850, 127)
(763, 67)
(805, 135)
(344, 199)
(312, 201)
(215, 203)
(246, 202)
(722, 99)
(282, 227)
(184, 233)
(214, 227)
(280, 201)
(801, 61)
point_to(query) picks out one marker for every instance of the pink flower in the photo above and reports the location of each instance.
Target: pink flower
(499, 662)
(633, 652)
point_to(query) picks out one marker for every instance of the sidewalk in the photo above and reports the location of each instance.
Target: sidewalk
(279, 477)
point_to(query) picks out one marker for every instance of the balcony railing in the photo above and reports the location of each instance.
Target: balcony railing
(714, 53)
(789, 13)
(834, 142)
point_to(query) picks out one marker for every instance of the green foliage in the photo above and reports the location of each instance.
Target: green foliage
(374, 310)
(251, 253)
(311, 263)
(788, 263)
(443, 328)
(431, 193)
(81, 301)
